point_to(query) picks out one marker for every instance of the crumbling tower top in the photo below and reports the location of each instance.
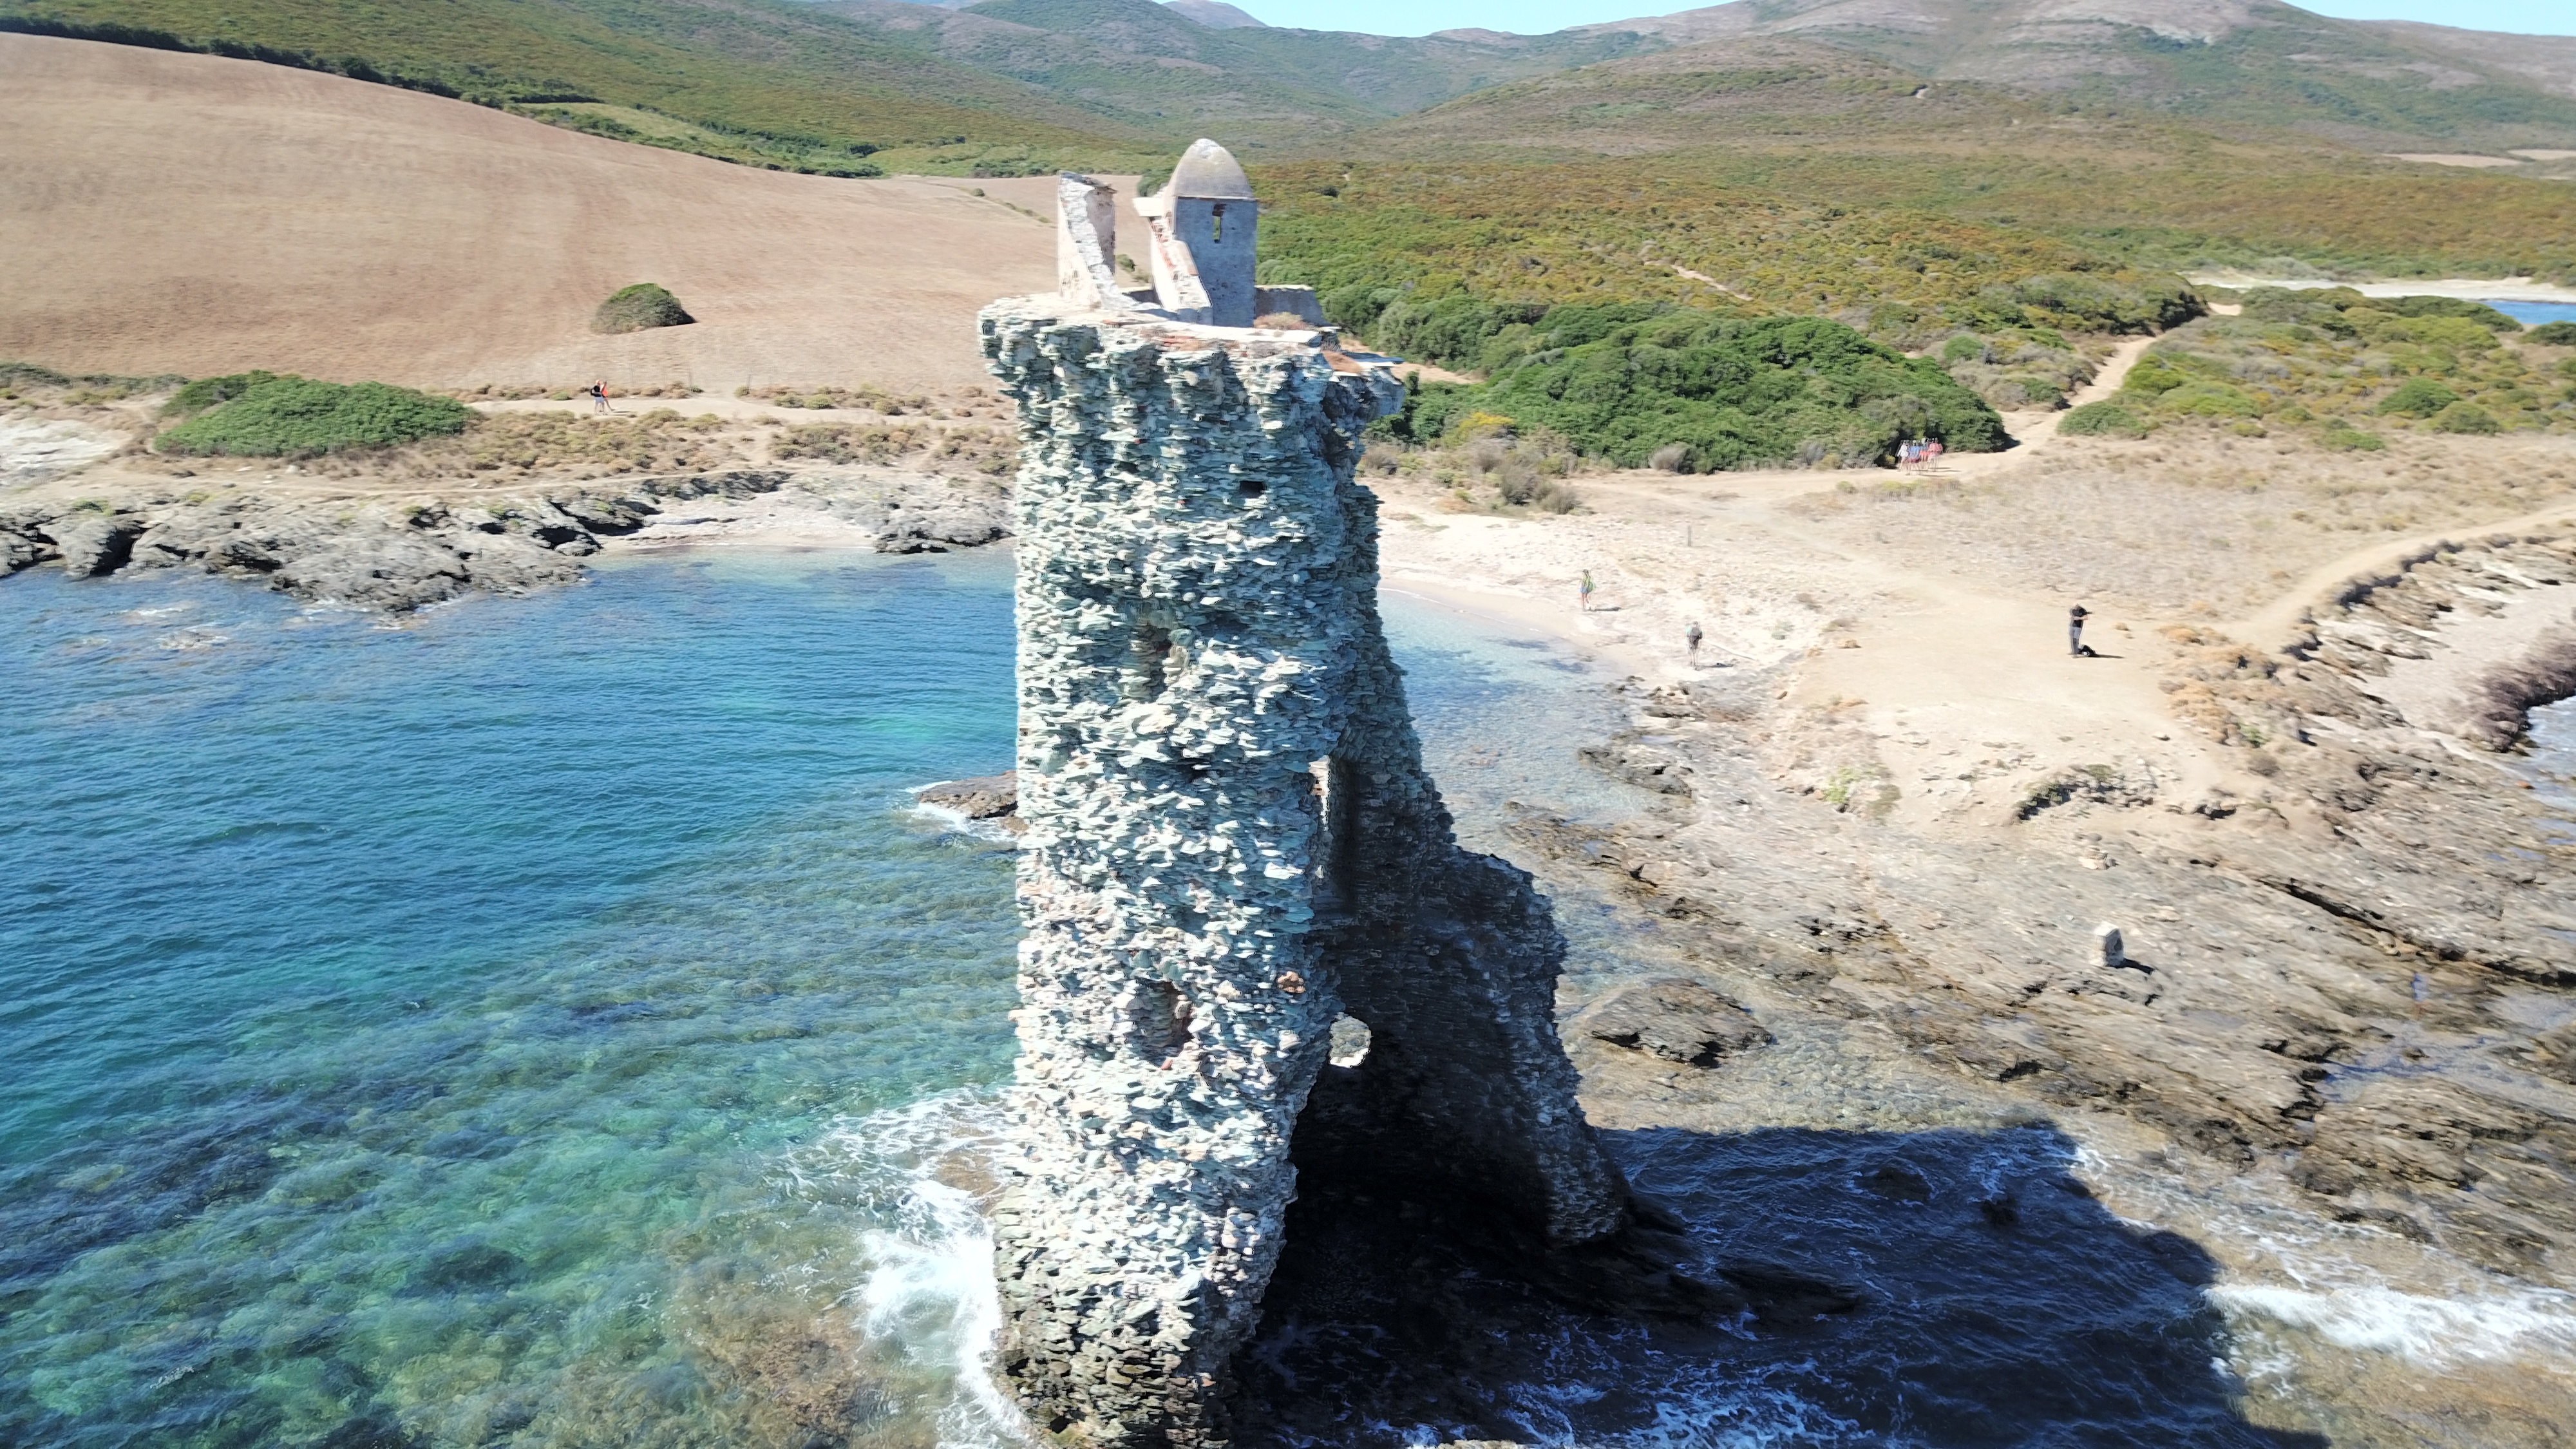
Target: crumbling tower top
(1203, 226)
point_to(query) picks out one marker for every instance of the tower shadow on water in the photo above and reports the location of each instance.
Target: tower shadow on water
(1942, 1289)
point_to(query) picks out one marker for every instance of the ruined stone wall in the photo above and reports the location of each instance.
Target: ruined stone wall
(1230, 843)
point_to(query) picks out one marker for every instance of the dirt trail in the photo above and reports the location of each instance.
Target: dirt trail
(2275, 624)
(303, 222)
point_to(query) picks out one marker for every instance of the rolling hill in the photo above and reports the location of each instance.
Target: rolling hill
(2233, 62)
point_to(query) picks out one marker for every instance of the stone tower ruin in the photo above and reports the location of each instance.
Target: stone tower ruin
(1233, 858)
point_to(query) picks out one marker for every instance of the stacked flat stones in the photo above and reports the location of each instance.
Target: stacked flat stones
(1230, 841)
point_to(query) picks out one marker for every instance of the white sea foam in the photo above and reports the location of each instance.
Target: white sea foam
(929, 1286)
(2423, 1330)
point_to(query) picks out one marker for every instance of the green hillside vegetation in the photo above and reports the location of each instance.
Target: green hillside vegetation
(2350, 368)
(1436, 262)
(268, 415)
(1146, 68)
(1820, 127)
(760, 81)
(1702, 391)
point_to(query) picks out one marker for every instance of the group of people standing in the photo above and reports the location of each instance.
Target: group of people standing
(1919, 454)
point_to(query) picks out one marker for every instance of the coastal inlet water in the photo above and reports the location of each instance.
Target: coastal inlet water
(549, 1023)
(546, 1023)
(2532, 314)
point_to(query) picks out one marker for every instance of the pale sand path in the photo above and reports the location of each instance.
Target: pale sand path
(186, 213)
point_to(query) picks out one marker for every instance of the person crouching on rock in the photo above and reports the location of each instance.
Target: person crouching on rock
(2075, 618)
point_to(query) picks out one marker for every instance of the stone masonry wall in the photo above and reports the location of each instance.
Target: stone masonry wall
(1231, 842)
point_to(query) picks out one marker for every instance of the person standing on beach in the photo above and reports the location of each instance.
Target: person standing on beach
(1693, 638)
(1585, 589)
(2075, 618)
(599, 396)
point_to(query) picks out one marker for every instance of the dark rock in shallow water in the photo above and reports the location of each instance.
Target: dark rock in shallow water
(1673, 1018)
(987, 797)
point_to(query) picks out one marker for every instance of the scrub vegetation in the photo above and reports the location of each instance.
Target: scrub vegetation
(1699, 391)
(2351, 368)
(267, 415)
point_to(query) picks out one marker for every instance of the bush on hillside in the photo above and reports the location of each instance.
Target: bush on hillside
(635, 308)
(1731, 392)
(2418, 397)
(2077, 302)
(2105, 419)
(2466, 417)
(2552, 334)
(295, 417)
(2030, 368)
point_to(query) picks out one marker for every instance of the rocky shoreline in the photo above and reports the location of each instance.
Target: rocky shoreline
(2352, 976)
(396, 555)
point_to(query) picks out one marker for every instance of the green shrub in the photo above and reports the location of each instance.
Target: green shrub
(282, 417)
(2418, 397)
(2154, 374)
(635, 308)
(2210, 400)
(2345, 439)
(1963, 347)
(2464, 417)
(2105, 419)
(2552, 334)
(2459, 307)
(1734, 392)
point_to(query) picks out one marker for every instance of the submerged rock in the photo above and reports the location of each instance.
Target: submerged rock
(987, 797)
(1675, 1019)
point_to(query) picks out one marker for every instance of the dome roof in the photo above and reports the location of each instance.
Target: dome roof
(1210, 172)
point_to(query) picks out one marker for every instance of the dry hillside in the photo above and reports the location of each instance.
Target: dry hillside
(184, 213)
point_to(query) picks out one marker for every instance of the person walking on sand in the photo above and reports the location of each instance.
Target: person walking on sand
(1932, 454)
(1585, 590)
(599, 396)
(2075, 618)
(1692, 638)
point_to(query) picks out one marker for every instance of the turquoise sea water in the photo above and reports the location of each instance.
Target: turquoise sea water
(545, 1021)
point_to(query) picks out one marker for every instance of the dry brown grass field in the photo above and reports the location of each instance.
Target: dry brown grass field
(184, 213)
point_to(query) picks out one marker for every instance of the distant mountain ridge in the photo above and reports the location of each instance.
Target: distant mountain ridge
(2244, 62)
